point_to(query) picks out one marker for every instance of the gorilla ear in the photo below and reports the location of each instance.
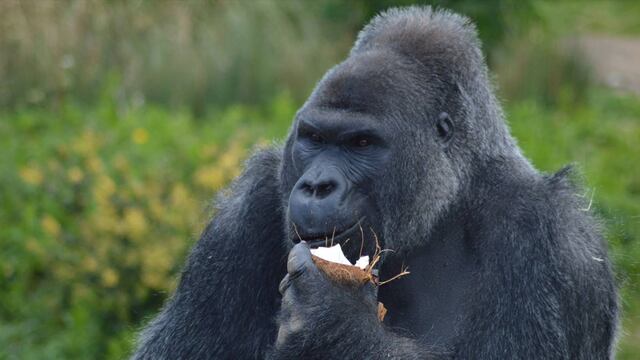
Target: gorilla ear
(444, 126)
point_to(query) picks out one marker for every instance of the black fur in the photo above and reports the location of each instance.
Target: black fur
(505, 262)
(228, 295)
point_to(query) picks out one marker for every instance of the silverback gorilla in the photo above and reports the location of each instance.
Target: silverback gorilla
(403, 141)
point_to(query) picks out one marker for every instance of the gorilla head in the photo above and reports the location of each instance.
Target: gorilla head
(387, 139)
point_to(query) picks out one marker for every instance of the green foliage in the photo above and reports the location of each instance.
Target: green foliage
(98, 210)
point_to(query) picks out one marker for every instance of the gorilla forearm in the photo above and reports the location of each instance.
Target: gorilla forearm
(387, 346)
(228, 294)
(361, 337)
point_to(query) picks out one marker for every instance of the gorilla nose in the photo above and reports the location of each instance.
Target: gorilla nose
(316, 204)
(319, 189)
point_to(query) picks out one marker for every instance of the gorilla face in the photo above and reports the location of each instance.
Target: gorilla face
(351, 168)
(338, 155)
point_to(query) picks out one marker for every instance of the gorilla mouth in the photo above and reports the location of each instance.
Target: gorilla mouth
(317, 240)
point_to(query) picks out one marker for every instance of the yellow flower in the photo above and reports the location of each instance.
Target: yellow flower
(211, 177)
(156, 265)
(94, 164)
(109, 277)
(230, 158)
(31, 175)
(135, 222)
(140, 136)
(137, 188)
(75, 175)
(90, 264)
(156, 208)
(153, 280)
(179, 195)
(34, 247)
(208, 151)
(87, 143)
(50, 225)
(105, 187)
(121, 163)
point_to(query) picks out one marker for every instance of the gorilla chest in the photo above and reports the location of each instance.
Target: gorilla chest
(431, 302)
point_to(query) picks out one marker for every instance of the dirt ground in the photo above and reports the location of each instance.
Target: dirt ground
(614, 60)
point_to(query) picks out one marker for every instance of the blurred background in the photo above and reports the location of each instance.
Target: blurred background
(120, 120)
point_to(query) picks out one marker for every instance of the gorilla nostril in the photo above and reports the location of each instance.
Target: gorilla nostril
(320, 189)
(306, 188)
(325, 189)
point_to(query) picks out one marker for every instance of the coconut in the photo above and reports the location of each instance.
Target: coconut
(333, 262)
(335, 265)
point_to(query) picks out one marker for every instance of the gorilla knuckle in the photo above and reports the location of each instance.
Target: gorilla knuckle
(284, 284)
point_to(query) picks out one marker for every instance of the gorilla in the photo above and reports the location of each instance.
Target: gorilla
(405, 144)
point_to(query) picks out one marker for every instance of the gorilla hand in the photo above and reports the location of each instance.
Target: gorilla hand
(320, 319)
(315, 309)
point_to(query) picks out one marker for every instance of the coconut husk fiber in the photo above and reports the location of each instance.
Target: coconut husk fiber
(343, 274)
(349, 275)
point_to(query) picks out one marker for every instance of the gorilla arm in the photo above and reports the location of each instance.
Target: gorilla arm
(228, 294)
(322, 320)
(547, 290)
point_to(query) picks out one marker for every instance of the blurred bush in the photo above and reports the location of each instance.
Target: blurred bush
(98, 213)
(192, 54)
(543, 67)
(180, 53)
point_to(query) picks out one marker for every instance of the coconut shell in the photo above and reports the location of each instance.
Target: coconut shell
(382, 311)
(342, 274)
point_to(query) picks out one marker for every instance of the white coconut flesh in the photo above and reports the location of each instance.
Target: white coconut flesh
(335, 254)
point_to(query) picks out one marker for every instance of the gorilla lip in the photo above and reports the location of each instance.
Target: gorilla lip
(325, 239)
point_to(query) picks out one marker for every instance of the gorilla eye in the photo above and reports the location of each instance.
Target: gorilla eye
(444, 127)
(315, 137)
(362, 142)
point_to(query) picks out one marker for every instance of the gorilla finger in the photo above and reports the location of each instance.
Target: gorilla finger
(284, 284)
(299, 260)
(370, 292)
